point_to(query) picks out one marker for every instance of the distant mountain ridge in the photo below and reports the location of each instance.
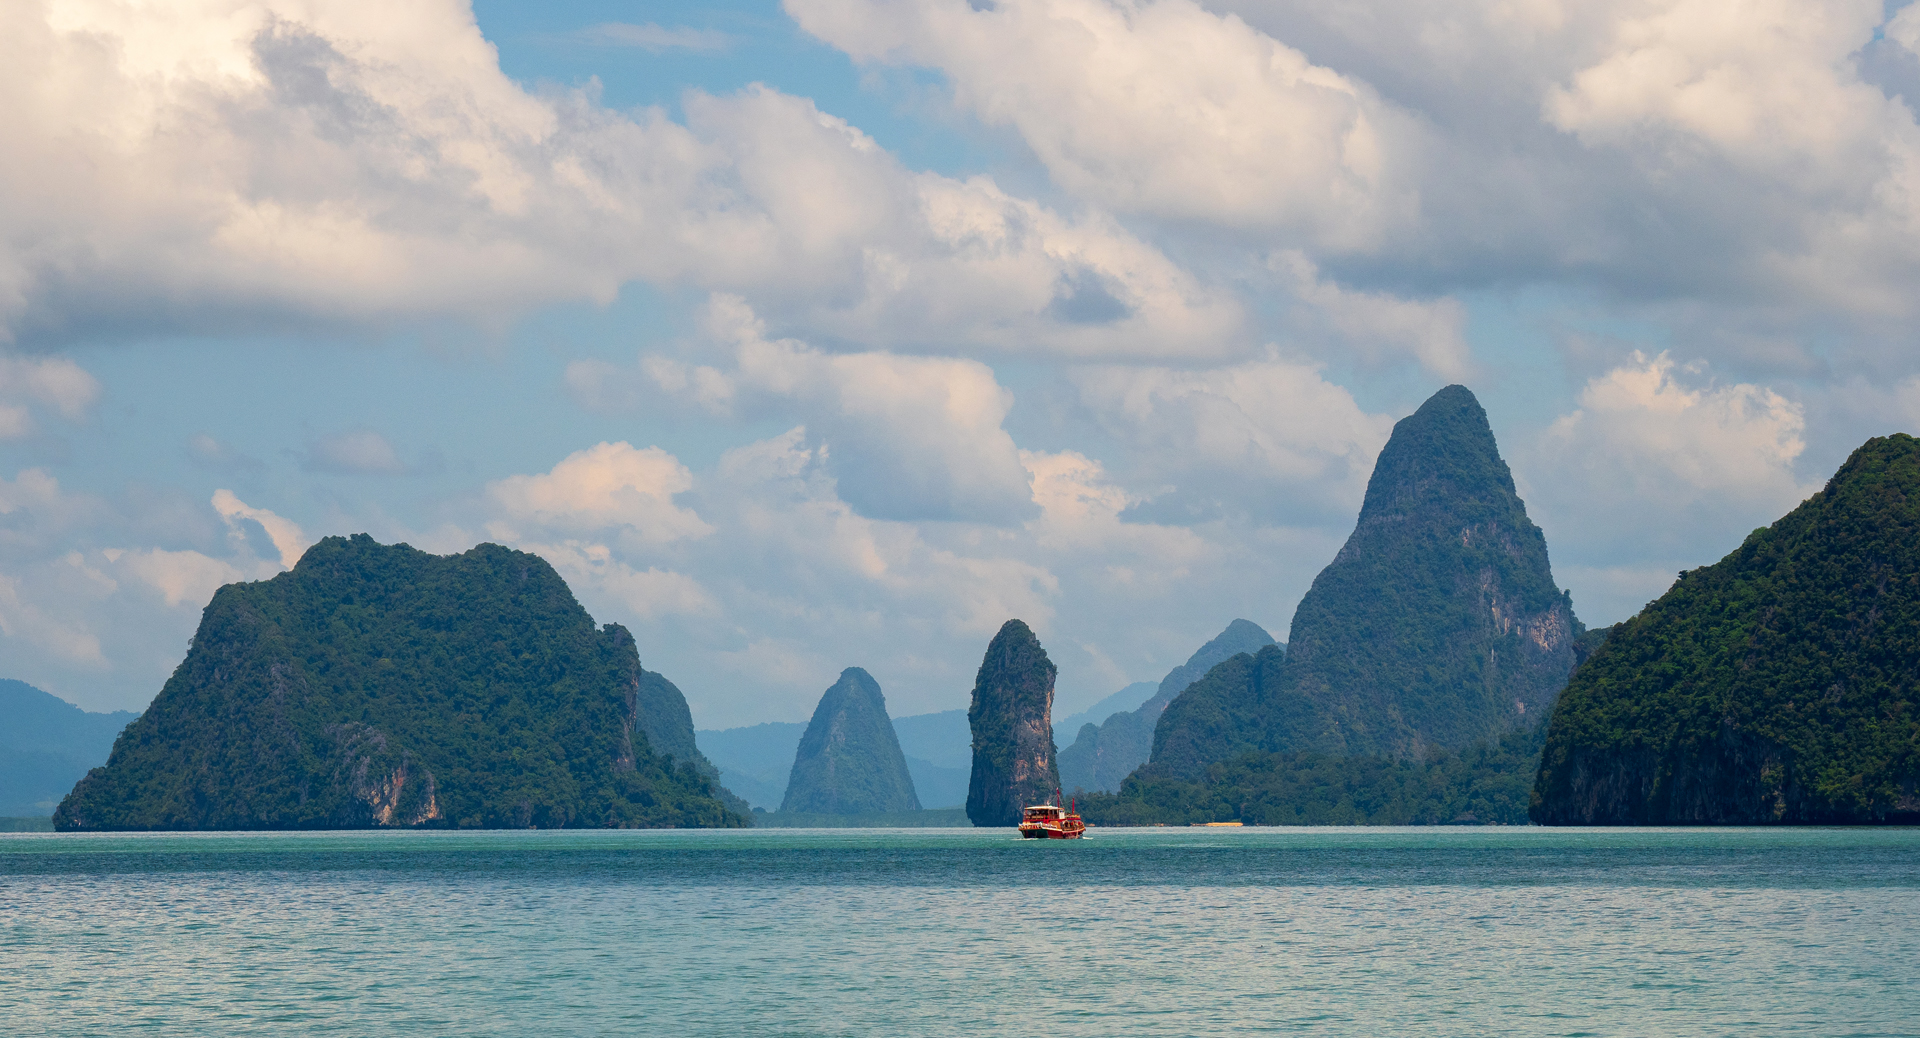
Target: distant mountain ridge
(46, 745)
(1103, 755)
(378, 685)
(755, 761)
(1780, 685)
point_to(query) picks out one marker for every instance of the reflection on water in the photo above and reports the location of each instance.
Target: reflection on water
(1174, 932)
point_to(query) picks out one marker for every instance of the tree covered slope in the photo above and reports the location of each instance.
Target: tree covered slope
(377, 685)
(1775, 686)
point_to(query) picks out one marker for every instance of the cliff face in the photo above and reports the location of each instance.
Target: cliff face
(1103, 755)
(378, 685)
(849, 760)
(1437, 625)
(1775, 686)
(1012, 721)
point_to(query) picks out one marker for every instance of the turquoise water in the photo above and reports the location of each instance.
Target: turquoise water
(964, 932)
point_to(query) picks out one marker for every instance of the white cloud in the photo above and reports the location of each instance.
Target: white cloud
(1729, 160)
(910, 437)
(98, 596)
(276, 164)
(287, 537)
(1161, 107)
(607, 485)
(53, 382)
(1660, 463)
(1378, 326)
(1271, 437)
(180, 576)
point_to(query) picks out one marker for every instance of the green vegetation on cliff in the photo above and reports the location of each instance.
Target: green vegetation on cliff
(1105, 754)
(1486, 783)
(849, 761)
(1011, 717)
(1438, 624)
(1775, 686)
(380, 685)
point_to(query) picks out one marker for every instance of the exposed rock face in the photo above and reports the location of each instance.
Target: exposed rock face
(378, 685)
(1779, 685)
(1102, 755)
(1437, 624)
(1012, 721)
(849, 761)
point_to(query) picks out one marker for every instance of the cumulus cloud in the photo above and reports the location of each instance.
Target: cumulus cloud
(273, 164)
(1271, 438)
(1379, 327)
(55, 383)
(287, 537)
(607, 485)
(1161, 107)
(910, 437)
(1676, 152)
(179, 576)
(98, 595)
(1661, 468)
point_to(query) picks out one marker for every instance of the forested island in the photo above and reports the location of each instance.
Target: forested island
(379, 685)
(1421, 683)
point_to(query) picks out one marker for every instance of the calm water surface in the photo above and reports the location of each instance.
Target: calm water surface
(964, 932)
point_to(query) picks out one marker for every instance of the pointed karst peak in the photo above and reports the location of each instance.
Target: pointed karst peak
(1012, 721)
(1442, 456)
(1438, 623)
(849, 761)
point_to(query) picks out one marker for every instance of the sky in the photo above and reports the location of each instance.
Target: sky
(829, 333)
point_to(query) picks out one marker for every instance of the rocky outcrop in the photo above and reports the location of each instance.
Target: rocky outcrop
(849, 761)
(1436, 626)
(1780, 685)
(1104, 754)
(377, 685)
(1012, 721)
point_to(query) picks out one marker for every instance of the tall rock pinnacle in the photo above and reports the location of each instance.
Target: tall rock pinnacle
(1436, 625)
(849, 760)
(1012, 721)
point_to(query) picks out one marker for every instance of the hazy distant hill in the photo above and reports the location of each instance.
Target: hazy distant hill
(46, 745)
(849, 760)
(1126, 700)
(377, 685)
(1779, 685)
(755, 760)
(1102, 755)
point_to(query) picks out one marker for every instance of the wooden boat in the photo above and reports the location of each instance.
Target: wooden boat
(1051, 822)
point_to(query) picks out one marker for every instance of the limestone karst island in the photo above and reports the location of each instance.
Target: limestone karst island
(1434, 673)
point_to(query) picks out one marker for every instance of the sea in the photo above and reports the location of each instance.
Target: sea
(1374, 932)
